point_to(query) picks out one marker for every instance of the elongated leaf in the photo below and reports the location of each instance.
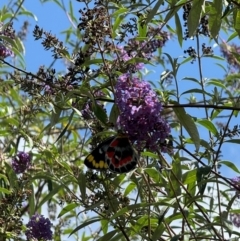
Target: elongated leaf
(175, 189)
(232, 36)
(179, 29)
(216, 82)
(67, 209)
(236, 19)
(29, 14)
(4, 190)
(117, 22)
(119, 12)
(154, 174)
(82, 185)
(124, 210)
(129, 188)
(209, 125)
(149, 154)
(171, 13)
(152, 13)
(188, 123)
(32, 204)
(195, 16)
(158, 232)
(55, 190)
(230, 165)
(215, 17)
(114, 114)
(108, 236)
(100, 113)
(66, 127)
(87, 223)
(189, 177)
(236, 141)
(195, 91)
(104, 224)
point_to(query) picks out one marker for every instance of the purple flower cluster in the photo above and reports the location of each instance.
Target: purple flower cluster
(140, 114)
(87, 110)
(156, 39)
(125, 56)
(142, 49)
(21, 162)
(235, 219)
(5, 48)
(227, 51)
(39, 228)
(5, 51)
(236, 181)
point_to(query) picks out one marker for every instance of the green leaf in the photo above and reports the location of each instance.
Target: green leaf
(216, 82)
(82, 185)
(32, 204)
(12, 121)
(202, 172)
(114, 113)
(4, 190)
(154, 174)
(177, 170)
(188, 123)
(86, 223)
(29, 14)
(236, 19)
(55, 116)
(116, 24)
(209, 125)
(55, 190)
(108, 236)
(230, 165)
(189, 177)
(149, 154)
(67, 209)
(119, 12)
(153, 12)
(119, 236)
(176, 238)
(179, 29)
(126, 209)
(195, 15)
(104, 224)
(131, 186)
(215, 113)
(232, 36)
(100, 113)
(172, 12)
(191, 79)
(158, 232)
(66, 127)
(215, 17)
(93, 61)
(236, 141)
(195, 91)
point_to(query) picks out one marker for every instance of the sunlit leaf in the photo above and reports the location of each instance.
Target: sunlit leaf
(195, 16)
(188, 123)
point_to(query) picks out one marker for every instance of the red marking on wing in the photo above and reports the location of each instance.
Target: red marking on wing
(122, 162)
(126, 160)
(110, 154)
(114, 143)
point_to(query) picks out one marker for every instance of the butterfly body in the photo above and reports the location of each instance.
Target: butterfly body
(115, 153)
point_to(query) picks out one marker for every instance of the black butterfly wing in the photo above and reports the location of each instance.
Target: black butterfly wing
(96, 159)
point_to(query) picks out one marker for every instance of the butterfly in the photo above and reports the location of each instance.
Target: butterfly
(115, 153)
